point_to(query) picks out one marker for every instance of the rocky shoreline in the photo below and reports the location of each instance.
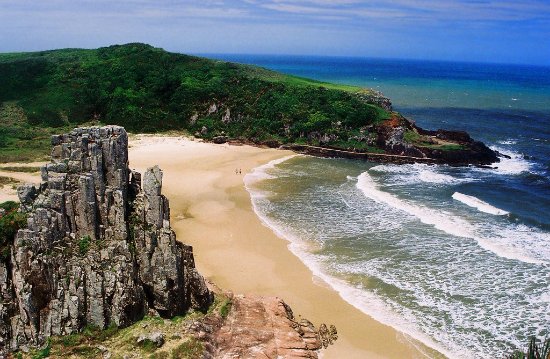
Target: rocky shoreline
(397, 141)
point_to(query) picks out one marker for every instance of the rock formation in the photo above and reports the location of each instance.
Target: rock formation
(265, 327)
(98, 248)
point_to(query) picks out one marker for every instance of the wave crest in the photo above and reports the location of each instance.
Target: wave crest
(501, 245)
(482, 206)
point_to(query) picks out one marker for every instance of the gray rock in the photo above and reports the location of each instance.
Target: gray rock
(220, 139)
(98, 248)
(27, 194)
(227, 116)
(156, 338)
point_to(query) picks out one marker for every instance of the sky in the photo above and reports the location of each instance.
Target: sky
(502, 31)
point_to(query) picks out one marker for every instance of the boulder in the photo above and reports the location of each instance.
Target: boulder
(156, 338)
(220, 139)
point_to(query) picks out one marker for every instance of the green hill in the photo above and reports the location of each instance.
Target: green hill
(147, 89)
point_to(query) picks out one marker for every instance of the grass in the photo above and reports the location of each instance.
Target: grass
(447, 147)
(419, 140)
(146, 345)
(179, 342)
(25, 169)
(411, 136)
(7, 181)
(42, 353)
(191, 348)
(277, 77)
(225, 308)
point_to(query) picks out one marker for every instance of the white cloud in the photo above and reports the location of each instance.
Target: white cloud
(444, 10)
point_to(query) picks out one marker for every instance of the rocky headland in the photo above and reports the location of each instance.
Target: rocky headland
(399, 140)
(98, 252)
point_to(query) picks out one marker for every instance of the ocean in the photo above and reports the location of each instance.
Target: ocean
(458, 258)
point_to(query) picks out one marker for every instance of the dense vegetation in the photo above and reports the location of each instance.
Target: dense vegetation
(148, 89)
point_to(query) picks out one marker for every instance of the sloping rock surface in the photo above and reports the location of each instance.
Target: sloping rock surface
(265, 327)
(98, 249)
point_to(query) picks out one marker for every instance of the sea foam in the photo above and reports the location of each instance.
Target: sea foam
(304, 246)
(514, 165)
(439, 220)
(479, 204)
(419, 172)
(501, 244)
(261, 173)
(431, 176)
(364, 301)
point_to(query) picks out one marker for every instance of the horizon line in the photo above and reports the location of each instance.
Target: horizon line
(473, 62)
(206, 54)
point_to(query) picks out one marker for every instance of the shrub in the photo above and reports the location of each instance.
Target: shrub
(10, 222)
(84, 244)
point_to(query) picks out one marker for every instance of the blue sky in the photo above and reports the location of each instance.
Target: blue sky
(467, 30)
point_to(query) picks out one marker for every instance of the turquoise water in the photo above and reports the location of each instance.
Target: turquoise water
(458, 258)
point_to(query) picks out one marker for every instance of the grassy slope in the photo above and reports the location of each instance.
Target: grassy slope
(147, 89)
(179, 341)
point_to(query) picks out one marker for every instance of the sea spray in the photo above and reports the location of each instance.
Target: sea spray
(513, 165)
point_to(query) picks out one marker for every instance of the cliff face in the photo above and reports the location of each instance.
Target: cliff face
(98, 249)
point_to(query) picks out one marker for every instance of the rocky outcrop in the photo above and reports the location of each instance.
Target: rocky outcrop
(400, 136)
(98, 249)
(376, 98)
(266, 328)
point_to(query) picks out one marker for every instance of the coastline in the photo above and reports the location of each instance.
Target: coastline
(233, 247)
(237, 252)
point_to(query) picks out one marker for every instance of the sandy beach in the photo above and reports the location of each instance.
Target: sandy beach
(212, 211)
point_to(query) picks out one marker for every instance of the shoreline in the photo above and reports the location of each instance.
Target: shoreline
(236, 251)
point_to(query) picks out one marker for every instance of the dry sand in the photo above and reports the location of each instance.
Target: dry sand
(8, 192)
(212, 211)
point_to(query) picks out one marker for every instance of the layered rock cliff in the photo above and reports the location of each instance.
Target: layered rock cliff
(98, 249)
